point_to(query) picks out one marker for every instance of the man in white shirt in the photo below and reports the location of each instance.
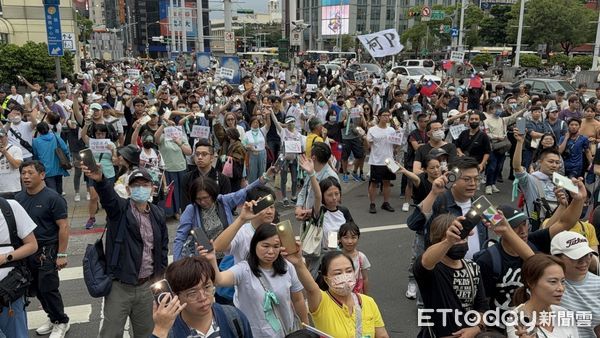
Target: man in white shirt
(381, 150)
(64, 102)
(16, 96)
(20, 133)
(11, 158)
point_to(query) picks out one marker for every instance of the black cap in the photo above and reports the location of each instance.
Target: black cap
(140, 173)
(131, 153)
(515, 217)
(437, 152)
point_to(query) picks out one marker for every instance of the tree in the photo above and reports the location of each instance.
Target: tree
(492, 28)
(583, 61)
(85, 27)
(530, 60)
(482, 59)
(563, 23)
(348, 43)
(32, 61)
(271, 39)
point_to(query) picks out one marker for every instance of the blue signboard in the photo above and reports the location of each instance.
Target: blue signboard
(232, 62)
(202, 61)
(53, 31)
(454, 32)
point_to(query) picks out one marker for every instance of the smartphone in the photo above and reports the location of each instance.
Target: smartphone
(286, 236)
(472, 218)
(564, 182)
(87, 158)
(487, 210)
(160, 290)
(280, 162)
(452, 176)
(392, 165)
(202, 239)
(144, 119)
(263, 203)
(521, 124)
(332, 240)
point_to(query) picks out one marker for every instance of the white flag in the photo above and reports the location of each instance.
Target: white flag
(383, 43)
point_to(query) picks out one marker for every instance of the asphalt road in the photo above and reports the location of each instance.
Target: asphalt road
(385, 240)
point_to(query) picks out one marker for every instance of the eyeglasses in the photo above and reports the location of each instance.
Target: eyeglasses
(203, 154)
(468, 179)
(194, 294)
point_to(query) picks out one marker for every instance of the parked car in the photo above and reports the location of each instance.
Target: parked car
(373, 69)
(539, 86)
(406, 74)
(425, 63)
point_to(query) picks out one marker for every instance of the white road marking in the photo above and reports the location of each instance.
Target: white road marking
(77, 272)
(384, 228)
(77, 314)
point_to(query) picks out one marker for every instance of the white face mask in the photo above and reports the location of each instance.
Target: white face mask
(342, 284)
(438, 135)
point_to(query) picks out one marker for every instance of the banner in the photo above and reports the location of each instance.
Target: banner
(202, 61)
(232, 62)
(383, 43)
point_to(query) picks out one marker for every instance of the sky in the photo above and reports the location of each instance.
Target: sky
(259, 6)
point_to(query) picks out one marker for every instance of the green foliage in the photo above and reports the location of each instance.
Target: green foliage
(270, 40)
(558, 58)
(492, 28)
(530, 60)
(31, 61)
(481, 59)
(557, 23)
(348, 43)
(85, 27)
(583, 61)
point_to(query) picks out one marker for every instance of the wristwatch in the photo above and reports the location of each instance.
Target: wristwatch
(9, 258)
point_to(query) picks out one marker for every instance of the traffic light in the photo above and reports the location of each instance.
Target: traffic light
(414, 13)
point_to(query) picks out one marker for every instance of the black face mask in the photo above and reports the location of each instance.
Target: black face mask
(340, 103)
(458, 251)
(148, 145)
(474, 125)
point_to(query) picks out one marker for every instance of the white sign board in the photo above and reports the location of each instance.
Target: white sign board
(226, 73)
(172, 133)
(398, 138)
(383, 43)
(295, 38)
(229, 43)
(101, 145)
(68, 40)
(311, 87)
(354, 113)
(361, 76)
(457, 56)
(455, 130)
(201, 132)
(293, 147)
(133, 74)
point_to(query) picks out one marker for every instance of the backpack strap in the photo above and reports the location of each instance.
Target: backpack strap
(496, 260)
(15, 241)
(233, 320)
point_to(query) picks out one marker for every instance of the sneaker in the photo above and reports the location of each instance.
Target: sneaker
(285, 202)
(411, 290)
(387, 206)
(59, 330)
(405, 207)
(90, 223)
(495, 189)
(355, 177)
(87, 196)
(488, 189)
(77, 197)
(372, 208)
(294, 199)
(45, 328)
(500, 180)
(64, 193)
(362, 178)
(345, 178)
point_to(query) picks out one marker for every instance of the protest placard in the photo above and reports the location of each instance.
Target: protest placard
(100, 145)
(293, 147)
(201, 132)
(455, 130)
(172, 133)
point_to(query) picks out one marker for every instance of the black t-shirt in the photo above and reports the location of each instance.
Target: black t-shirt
(44, 208)
(475, 146)
(421, 192)
(448, 288)
(421, 138)
(334, 131)
(424, 150)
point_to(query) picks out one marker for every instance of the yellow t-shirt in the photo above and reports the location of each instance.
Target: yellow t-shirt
(310, 140)
(337, 322)
(587, 230)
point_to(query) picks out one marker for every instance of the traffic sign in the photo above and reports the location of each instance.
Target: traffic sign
(454, 32)
(229, 36)
(229, 43)
(426, 13)
(457, 56)
(69, 41)
(295, 38)
(438, 15)
(53, 30)
(486, 5)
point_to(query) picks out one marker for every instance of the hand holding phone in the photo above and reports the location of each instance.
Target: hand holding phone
(521, 125)
(87, 158)
(160, 290)
(564, 182)
(202, 239)
(286, 236)
(263, 203)
(487, 210)
(392, 165)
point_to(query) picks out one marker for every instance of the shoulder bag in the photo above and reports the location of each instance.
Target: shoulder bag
(312, 236)
(501, 146)
(62, 157)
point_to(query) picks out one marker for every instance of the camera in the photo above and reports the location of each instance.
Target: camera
(452, 176)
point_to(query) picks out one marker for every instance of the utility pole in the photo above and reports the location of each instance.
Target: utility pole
(184, 20)
(200, 26)
(227, 15)
(396, 21)
(520, 34)
(462, 23)
(172, 25)
(596, 45)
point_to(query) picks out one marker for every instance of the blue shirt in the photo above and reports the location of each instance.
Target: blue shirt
(574, 151)
(44, 150)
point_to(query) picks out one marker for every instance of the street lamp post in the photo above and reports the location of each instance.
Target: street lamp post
(596, 45)
(519, 33)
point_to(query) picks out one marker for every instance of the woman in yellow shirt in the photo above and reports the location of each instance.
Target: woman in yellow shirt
(333, 306)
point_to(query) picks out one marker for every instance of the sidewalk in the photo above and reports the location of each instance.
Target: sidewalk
(78, 214)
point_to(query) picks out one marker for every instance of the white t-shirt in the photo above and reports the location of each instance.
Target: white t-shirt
(11, 179)
(26, 134)
(332, 222)
(381, 148)
(251, 294)
(18, 98)
(559, 331)
(240, 244)
(67, 106)
(256, 140)
(25, 226)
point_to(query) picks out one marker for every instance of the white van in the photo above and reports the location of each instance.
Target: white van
(426, 63)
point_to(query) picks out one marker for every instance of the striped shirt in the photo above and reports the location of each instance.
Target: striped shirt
(583, 296)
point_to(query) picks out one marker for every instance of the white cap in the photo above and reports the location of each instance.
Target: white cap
(453, 112)
(571, 244)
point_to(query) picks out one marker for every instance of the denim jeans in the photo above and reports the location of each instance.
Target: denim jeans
(15, 325)
(55, 183)
(494, 167)
(418, 248)
(293, 169)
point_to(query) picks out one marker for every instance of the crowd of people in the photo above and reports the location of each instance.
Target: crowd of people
(217, 158)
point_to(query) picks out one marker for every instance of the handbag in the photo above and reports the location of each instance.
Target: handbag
(228, 167)
(62, 157)
(95, 269)
(501, 146)
(312, 236)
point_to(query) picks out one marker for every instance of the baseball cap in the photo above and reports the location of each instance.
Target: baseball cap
(453, 112)
(560, 92)
(94, 97)
(131, 153)
(552, 108)
(139, 174)
(437, 152)
(514, 216)
(105, 105)
(571, 244)
(95, 106)
(290, 119)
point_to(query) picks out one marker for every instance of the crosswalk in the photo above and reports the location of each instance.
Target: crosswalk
(82, 313)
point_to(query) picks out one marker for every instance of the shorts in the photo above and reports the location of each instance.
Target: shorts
(354, 145)
(380, 173)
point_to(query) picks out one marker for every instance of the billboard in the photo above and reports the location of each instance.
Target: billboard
(335, 19)
(184, 18)
(334, 2)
